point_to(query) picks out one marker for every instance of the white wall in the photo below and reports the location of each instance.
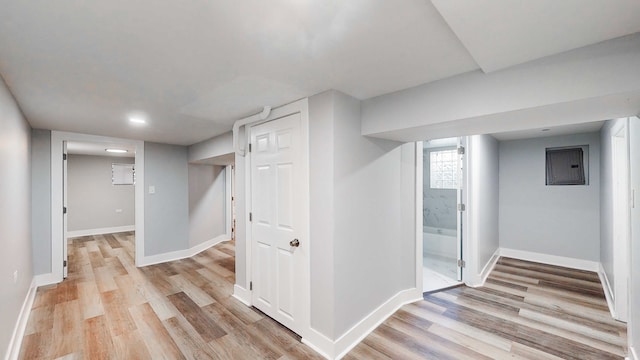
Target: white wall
(553, 220)
(92, 200)
(41, 200)
(15, 213)
(634, 300)
(207, 203)
(167, 211)
(596, 82)
(482, 213)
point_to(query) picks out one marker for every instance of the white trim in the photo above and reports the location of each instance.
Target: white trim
(21, 324)
(319, 343)
(419, 210)
(633, 354)
(567, 262)
(608, 292)
(228, 193)
(57, 232)
(486, 270)
(100, 231)
(339, 348)
(45, 279)
(182, 254)
(365, 326)
(241, 294)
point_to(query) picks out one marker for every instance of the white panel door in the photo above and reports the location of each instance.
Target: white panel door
(279, 248)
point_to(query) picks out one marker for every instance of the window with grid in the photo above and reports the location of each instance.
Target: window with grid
(443, 169)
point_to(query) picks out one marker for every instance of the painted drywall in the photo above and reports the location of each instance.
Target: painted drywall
(93, 202)
(554, 220)
(483, 199)
(596, 82)
(634, 300)
(606, 201)
(41, 200)
(439, 205)
(207, 203)
(16, 269)
(374, 217)
(166, 216)
(220, 146)
(321, 207)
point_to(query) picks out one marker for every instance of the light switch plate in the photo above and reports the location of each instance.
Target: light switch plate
(152, 189)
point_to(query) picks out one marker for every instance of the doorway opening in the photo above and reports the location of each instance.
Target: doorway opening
(98, 197)
(442, 167)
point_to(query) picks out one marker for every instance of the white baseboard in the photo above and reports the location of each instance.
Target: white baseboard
(182, 254)
(608, 292)
(100, 231)
(486, 270)
(21, 325)
(241, 294)
(340, 347)
(633, 355)
(319, 343)
(46, 279)
(567, 262)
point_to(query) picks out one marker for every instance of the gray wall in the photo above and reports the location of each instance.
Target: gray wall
(634, 300)
(15, 213)
(221, 145)
(606, 202)
(554, 220)
(439, 205)
(166, 213)
(41, 200)
(321, 205)
(483, 171)
(207, 203)
(370, 218)
(92, 199)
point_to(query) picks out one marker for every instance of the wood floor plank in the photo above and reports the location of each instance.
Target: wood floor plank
(109, 308)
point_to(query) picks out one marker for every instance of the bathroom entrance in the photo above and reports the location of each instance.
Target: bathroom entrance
(442, 213)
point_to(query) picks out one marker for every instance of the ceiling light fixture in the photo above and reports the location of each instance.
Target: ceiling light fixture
(137, 120)
(117, 151)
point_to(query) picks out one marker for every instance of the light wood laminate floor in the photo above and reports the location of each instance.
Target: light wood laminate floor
(109, 309)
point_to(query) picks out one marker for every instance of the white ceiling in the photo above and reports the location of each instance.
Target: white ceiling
(582, 128)
(192, 68)
(503, 33)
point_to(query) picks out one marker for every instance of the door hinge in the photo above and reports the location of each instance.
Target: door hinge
(250, 285)
(461, 263)
(64, 263)
(249, 147)
(64, 156)
(250, 216)
(64, 209)
(461, 207)
(461, 150)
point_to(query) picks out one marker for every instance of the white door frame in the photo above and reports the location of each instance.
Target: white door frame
(621, 218)
(302, 107)
(57, 232)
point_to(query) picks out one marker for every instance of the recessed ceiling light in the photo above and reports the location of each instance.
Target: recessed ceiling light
(117, 151)
(137, 120)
